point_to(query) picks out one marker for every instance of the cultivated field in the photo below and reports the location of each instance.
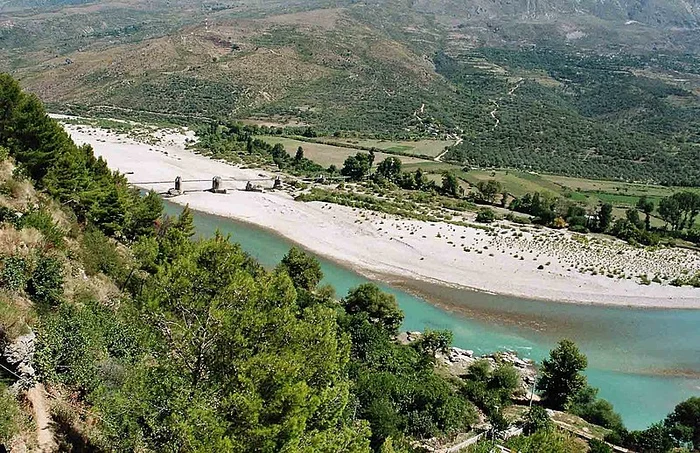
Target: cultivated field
(430, 148)
(327, 155)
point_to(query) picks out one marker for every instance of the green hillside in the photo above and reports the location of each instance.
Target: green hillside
(590, 89)
(127, 334)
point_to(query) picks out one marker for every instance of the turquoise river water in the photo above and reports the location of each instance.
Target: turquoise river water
(643, 361)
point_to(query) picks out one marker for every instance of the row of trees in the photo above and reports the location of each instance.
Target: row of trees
(679, 211)
(234, 141)
(359, 166)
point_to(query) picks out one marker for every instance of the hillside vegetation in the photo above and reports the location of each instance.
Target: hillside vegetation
(150, 341)
(591, 89)
(147, 340)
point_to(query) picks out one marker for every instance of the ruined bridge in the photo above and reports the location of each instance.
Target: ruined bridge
(252, 184)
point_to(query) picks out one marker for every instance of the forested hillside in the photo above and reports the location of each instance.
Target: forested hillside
(144, 339)
(583, 116)
(594, 89)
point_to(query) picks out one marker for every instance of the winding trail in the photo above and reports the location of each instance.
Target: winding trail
(439, 157)
(511, 92)
(518, 84)
(493, 114)
(37, 397)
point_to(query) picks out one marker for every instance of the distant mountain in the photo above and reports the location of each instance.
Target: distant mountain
(657, 13)
(24, 4)
(615, 79)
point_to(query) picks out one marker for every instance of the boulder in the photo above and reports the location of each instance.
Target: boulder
(19, 354)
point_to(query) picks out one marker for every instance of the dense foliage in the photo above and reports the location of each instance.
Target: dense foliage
(204, 350)
(68, 172)
(679, 212)
(193, 346)
(597, 119)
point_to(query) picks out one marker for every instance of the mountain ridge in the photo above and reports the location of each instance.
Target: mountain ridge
(366, 68)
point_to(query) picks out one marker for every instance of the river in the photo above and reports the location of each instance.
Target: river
(644, 361)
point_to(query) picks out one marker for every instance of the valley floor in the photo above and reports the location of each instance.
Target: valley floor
(518, 260)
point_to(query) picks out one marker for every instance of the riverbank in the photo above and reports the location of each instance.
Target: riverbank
(518, 261)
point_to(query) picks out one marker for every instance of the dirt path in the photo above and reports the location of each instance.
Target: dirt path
(517, 85)
(493, 114)
(439, 157)
(37, 396)
(496, 106)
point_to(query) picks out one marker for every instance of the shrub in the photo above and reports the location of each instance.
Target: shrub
(598, 446)
(42, 221)
(537, 419)
(8, 415)
(485, 215)
(99, 254)
(84, 346)
(600, 412)
(551, 441)
(46, 283)
(8, 215)
(488, 388)
(11, 187)
(14, 273)
(13, 320)
(579, 229)
(518, 219)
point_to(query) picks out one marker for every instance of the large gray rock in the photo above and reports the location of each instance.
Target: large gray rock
(19, 355)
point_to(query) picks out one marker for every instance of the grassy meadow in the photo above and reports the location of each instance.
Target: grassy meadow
(327, 155)
(432, 148)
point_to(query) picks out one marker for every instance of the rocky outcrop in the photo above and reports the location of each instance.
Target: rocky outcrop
(459, 360)
(18, 355)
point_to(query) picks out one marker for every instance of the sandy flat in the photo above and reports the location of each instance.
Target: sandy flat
(378, 244)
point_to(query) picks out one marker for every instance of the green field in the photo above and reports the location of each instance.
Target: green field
(327, 155)
(586, 191)
(430, 148)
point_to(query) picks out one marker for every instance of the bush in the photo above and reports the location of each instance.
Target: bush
(8, 415)
(537, 419)
(13, 319)
(46, 283)
(598, 446)
(520, 220)
(42, 221)
(99, 254)
(600, 412)
(85, 346)
(579, 229)
(551, 441)
(488, 388)
(14, 273)
(8, 215)
(485, 215)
